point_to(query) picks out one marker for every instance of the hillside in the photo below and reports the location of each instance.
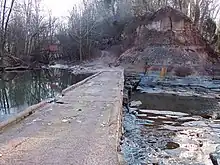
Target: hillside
(165, 38)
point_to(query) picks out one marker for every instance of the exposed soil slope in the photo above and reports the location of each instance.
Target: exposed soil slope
(166, 37)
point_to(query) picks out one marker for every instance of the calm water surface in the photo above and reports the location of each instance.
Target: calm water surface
(18, 90)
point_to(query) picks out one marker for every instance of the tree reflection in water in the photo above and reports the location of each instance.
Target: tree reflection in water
(18, 90)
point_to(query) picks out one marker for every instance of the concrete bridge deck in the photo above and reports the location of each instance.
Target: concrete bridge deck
(82, 129)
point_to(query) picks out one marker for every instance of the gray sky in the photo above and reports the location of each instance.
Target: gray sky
(60, 7)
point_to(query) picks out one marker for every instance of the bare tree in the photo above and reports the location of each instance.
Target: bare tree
(5, 16)
(25, 32)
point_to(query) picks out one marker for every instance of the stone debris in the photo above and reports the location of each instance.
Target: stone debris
(78, 121)
(49, 123)
(135, 104)
(132, 110)
(163, 112)
(215, 158)
(37, 119)
(178, 129)
(66, 120)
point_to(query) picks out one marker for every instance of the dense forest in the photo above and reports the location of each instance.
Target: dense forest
(29, 34)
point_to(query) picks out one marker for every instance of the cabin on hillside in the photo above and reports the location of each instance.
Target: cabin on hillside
(53, 51)
(168, 18)
(52, 48)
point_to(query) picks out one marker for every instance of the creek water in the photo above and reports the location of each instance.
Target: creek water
(172, 121)
(18, 90)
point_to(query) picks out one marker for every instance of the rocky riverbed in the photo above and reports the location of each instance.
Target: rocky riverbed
(171, 121)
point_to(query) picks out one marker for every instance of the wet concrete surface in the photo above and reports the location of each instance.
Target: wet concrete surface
(174, 124)
(83, 130)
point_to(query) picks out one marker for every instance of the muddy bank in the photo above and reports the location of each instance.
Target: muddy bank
(171, 121)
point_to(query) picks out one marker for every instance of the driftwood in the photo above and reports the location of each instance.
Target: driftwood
(16, 59)
(18, 68)
(19, 64)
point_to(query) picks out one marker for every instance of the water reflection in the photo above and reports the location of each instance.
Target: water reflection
(187, 104)
(18, 90)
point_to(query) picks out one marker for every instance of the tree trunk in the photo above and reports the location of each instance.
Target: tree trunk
(1, 59)
(4, 28)
(80, 49)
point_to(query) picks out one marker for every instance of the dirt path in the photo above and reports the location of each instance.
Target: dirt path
(82, 129)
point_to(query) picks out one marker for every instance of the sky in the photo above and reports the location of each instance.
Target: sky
(60, 7)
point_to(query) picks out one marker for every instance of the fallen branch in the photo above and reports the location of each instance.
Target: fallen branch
(17, 68)
(16, 58)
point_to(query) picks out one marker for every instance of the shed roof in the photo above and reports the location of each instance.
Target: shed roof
(168, 11)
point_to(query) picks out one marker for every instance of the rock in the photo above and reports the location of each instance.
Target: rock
(135, 104)
(159, 112)
(103, 124)
(128, 86)
(134, 113)
(172, 116)
(162, 117)
(144, 122)
(215, 158)
(66, 120)
(37, 119)
(78, 121)
(125, 97)
(172, 145)
(169, 122)
(206, 116)
(132, 110)
(173, 128)
(141, 115)
(217, 96)
(152, 117)
(200, 143)
(187, 119)
(195, 124)
(215, 115)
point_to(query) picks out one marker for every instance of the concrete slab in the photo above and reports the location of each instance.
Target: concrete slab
(84, 130)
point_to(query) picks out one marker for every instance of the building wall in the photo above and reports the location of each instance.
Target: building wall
(154, 26)
(179, 26)
(165, 25)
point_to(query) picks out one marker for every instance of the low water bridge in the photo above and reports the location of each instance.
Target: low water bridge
(82, 128)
